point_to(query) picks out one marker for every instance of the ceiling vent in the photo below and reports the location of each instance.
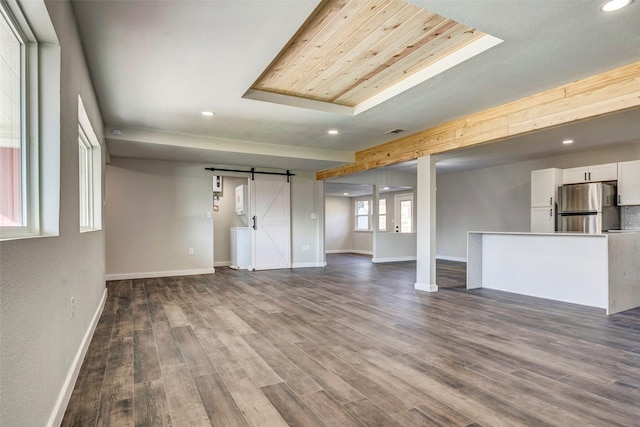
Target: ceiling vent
(394, 131)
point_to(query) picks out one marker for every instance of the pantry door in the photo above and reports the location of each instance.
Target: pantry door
(270, 223)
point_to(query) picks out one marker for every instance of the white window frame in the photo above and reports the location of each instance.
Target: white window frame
(29, 119)
(356, 215)
(89, 173)
(382, 216)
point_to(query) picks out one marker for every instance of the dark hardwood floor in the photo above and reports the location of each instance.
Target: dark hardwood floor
(352, 344)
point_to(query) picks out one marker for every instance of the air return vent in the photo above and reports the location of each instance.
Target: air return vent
(394, 131)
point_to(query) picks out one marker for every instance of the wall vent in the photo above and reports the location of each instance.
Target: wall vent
(394, 131)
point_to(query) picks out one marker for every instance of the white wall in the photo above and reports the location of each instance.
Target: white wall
(338, 228)
(498, 198)
(41, 341)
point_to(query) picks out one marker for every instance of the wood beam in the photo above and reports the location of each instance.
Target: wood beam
(606, 93)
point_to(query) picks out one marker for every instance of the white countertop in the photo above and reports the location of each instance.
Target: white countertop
(526, 233)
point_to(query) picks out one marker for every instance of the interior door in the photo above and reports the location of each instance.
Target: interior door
(270, 223)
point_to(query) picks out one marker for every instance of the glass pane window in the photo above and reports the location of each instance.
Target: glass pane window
(382, 215)
(362, 215)
(85, 179)
(12, 151)
(406, 216)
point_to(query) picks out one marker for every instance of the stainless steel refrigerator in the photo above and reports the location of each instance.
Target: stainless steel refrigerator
(588, 208)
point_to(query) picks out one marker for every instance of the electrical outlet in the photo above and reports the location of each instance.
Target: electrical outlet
(208, 215)
(305, 247)
(191, 251)
(73, 307)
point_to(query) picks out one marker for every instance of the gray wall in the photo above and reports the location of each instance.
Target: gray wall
(156, 210)
(338, 224)
(38, 276)
(498, 198)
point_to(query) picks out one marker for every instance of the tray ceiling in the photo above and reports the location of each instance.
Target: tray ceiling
(357, 54)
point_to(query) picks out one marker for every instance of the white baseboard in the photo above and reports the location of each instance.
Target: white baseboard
(69, 383)
(337, 251)
(308, 264)
(222, 263)
(394, 259)
(451, 258)
(153, 274)
(426, 287)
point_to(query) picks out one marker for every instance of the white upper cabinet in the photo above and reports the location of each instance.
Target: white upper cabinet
(629, 183)
(544, 187)
(595, 173)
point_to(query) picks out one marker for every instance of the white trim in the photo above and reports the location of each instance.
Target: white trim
(425, 287)
(153, 274)
(222, 263)
(451, 258)
(308, 264)
(394, 259)
(65, 394)
(338, 251)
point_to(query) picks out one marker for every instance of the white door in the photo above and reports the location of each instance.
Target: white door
(270, 223)
(404, 213)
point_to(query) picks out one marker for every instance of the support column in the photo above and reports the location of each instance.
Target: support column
(426, 225)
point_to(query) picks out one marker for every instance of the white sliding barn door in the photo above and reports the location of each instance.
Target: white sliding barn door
(271, 223)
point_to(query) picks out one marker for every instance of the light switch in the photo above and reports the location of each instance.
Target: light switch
(208, 215)
(314, 216)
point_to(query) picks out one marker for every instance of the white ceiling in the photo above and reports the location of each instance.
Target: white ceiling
(157, 64)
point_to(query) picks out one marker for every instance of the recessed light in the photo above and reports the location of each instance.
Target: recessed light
(567, 141)
(332, 131)
(385, 188)
(208, 113)
(116, 132)
(612, 5)
(345, 194)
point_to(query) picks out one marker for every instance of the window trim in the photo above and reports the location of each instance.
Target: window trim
(356, 216)
(29, 130)
(89, 141)
(382, 217)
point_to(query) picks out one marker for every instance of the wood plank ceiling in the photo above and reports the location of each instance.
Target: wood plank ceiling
(350, 50)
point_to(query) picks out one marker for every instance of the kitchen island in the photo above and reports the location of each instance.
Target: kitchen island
(597, 270)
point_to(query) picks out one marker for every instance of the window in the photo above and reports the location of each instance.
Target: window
(89, 173)
(29, 144)
(382, 215)
(13, 200)
(362, 215)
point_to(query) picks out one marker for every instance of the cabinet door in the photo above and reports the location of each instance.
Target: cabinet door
(629, 183)
(542, 187)
(606, 172)
(543, 220)
(575, 175)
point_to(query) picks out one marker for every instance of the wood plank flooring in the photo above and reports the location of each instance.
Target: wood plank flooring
(352, 344)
